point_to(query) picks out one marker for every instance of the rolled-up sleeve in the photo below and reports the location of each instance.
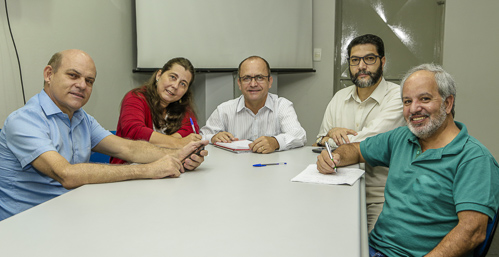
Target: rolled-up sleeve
(292, 133)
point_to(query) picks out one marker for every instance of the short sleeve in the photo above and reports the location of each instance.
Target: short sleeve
(376, 151)
(28, 136)
(476, 186)
(97, 131)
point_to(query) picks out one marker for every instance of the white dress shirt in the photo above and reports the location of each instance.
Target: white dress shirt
(276, 119)
(382, 111)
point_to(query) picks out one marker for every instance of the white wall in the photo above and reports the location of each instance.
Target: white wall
(311, 92)
(11, 96)
(105, 29)
(471, 51)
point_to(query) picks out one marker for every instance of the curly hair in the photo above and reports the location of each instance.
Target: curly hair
(175, 111)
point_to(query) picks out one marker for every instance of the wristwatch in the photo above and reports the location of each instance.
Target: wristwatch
(319, 141)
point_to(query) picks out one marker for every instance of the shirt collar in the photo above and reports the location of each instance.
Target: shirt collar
(457, 145)
(268, 103)
(50, 108)
(377, 95)
(454, 147)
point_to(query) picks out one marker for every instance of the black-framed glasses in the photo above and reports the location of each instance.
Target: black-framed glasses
(368, 59)
(258, 79)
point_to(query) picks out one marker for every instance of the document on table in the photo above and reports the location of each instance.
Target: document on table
(239, 146)
(342, 176)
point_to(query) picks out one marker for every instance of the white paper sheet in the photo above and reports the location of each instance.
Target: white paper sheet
(342, 176)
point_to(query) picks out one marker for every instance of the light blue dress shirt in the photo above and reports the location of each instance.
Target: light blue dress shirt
(38, 127)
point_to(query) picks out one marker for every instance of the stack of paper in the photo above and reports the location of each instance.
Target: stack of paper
(240, 146)
(342, 176)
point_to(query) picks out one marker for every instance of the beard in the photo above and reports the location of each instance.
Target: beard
(370, 82)
(425, 131)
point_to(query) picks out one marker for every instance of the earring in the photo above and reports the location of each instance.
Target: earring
(157, 80)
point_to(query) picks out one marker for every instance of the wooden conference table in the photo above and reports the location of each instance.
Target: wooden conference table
(226, 207)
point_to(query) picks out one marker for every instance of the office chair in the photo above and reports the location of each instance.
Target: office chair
(96, 157)
(483, 248)
(99, 157)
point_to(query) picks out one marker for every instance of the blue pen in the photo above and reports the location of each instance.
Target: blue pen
(267, 164)
(193, 128)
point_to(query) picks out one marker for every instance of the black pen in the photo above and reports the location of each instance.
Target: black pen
(328, 148)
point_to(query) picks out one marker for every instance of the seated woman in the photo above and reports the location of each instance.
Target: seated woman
(161, 110)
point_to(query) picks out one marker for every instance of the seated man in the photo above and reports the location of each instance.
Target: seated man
(369, 107)
(443, 184)
(44, 146)
(264, 118)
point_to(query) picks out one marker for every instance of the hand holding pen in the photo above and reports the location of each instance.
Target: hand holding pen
(328, 148)
(195, 136)
(325, 161)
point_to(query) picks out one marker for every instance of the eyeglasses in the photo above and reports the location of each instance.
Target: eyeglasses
(258, 79)
(368, 59)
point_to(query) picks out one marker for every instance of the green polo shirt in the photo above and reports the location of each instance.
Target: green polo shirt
(425, 190)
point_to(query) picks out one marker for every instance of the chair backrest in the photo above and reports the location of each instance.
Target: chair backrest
(483, 248)
(96, 157)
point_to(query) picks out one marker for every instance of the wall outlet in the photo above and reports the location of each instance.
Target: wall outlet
(317, 54)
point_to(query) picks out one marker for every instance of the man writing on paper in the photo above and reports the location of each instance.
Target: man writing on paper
(264, 118)
(45, 145)
(367, 108)
(443, 184)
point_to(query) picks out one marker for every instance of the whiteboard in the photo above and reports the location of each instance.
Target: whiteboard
(218, 34)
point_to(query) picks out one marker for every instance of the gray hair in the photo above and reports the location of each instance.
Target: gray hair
(445, 82)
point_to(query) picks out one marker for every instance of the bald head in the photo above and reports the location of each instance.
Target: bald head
(254, 57)
(56, 59)
(69, 78)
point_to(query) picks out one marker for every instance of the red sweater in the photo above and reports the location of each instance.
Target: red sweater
(135, 121)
